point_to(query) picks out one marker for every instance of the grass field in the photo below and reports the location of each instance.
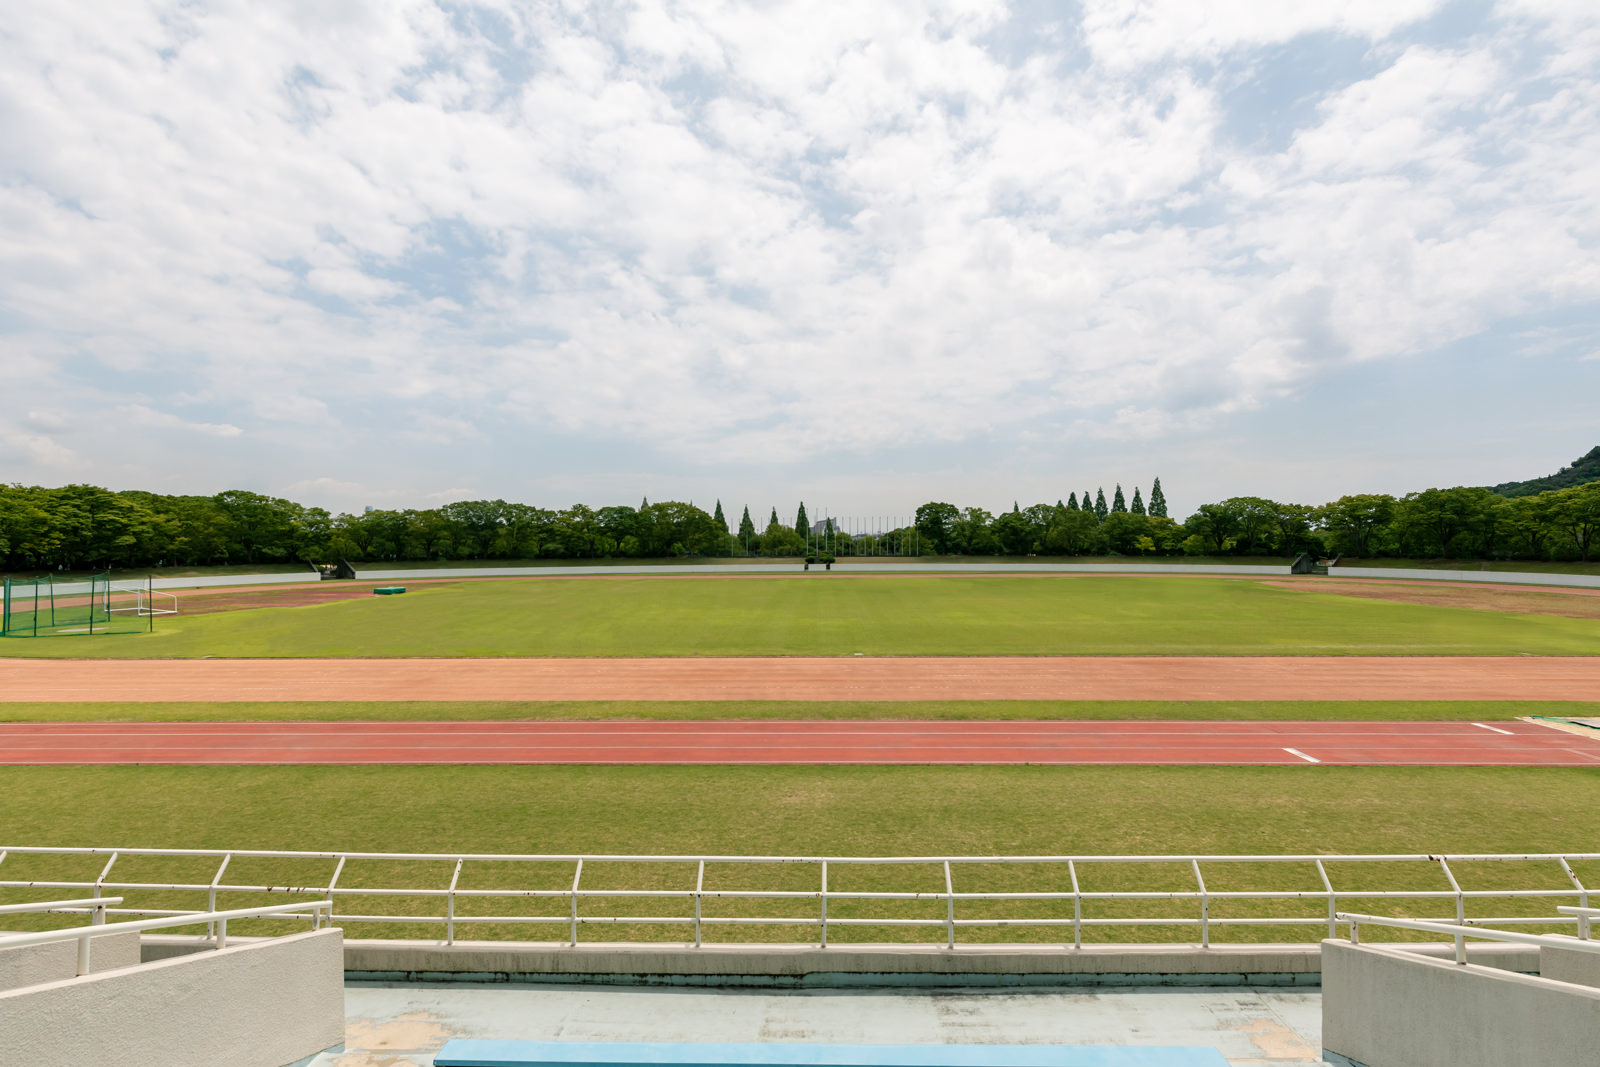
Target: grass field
(802, 811)
(569, 711)
(829, 615)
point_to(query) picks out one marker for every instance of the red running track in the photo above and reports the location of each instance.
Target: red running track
(1061, 743)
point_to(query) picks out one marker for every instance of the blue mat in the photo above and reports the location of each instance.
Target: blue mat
(469, 1053)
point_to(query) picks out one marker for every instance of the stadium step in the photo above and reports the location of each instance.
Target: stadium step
(476, 1053)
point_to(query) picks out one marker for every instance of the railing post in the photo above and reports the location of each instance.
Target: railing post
(950, 908)
(1333, 902)
(1205, 906)
(83, 954)
(211, 897)
(699, 888)
(1355, 932)
(222, 934)
(450, 905)
(574, 898)
(1583, 897)
(1461, 911)
(1077, 906)
(824, 904)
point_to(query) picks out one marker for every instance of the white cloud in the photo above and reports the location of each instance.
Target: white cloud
(712, 230)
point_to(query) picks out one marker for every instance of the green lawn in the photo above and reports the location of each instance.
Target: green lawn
(839, 811)
(568, 711)
(832, 615)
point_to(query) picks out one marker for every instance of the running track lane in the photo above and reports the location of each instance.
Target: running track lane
(811, 678)
(875, 742)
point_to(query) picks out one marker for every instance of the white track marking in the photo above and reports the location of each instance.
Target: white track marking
(1496, 729)
(1302, 755)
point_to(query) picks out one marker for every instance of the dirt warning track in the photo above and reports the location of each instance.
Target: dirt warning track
(799, 678)
(1302, 744)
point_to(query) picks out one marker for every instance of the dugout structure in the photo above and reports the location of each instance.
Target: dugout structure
(49, 606)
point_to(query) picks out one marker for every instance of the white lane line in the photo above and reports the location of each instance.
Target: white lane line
(1496, 729)
(1302, 755)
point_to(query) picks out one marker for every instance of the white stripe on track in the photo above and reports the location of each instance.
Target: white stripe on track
(1496, 729)
(1302, 755)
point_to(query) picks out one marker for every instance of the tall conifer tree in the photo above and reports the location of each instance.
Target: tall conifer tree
(1158, 500)
(722, 522)
(1117, 503)
(1087, 503)
(1100, 509)
(802, 525)
(774, 520)
(1072, 501)
(747, 529)
(1137, 507)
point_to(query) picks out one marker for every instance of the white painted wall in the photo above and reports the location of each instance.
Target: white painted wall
(32, 964)
(1384, 1007)
(266, 1004)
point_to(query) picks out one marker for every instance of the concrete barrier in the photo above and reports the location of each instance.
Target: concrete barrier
(35, 964)
(1385, 1007)
(807, 966)
(1570, 965)
(264, 1004)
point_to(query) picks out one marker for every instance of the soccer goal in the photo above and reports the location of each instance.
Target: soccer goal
(52, 606)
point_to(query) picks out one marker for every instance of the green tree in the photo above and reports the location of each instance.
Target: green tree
(1215, 525)
(937, 522)
(1100, 509)
(1255, 519)
(1117, 503)
(1074, 533)
(747, 530)
(1358, 522)
(1015, 533)
(1158, 500)
(1137, 507)
(802, 525)
(1577, 510)
(1072, 501)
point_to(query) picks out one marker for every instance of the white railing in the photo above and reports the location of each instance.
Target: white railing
(96, 905)
(1077, 906)
(1462, 932)
(319, 911)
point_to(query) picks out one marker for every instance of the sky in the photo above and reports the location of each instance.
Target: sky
(864, 254)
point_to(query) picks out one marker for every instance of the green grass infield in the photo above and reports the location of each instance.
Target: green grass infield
(569, 711)
(830, 615)
(837, 811)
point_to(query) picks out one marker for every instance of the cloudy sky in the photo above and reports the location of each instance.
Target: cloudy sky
(863, 253)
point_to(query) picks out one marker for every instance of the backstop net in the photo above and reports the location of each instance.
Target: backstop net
(52, 606)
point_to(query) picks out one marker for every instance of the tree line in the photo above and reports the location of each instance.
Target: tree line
(76, 527)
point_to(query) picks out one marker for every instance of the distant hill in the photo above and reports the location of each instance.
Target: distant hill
(1585, 468)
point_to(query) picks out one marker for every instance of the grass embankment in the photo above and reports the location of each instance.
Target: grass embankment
(838, 811)
(822, 615)
(968, 710)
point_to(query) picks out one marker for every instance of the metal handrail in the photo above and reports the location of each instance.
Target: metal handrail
(97, 905)
(1461, 933)
(84, 934)
(1203, 896)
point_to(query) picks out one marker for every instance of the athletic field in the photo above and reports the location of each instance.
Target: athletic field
(1319, 656)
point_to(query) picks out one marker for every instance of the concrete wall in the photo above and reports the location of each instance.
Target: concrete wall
(33, 964)
(785, 966)
(1584, 581)
(1384, 1007)
(1570, 965)
(265, 1004)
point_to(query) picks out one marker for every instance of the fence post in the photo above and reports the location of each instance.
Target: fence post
(824, 904)
(574, 898)
(1583, 897)
(83, 954)
(950, 908)
(211, 897)
(1205, 907)
(450, 905)
(699, 887)
(1461, 910)
(1077, 906)
(1333, 907)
